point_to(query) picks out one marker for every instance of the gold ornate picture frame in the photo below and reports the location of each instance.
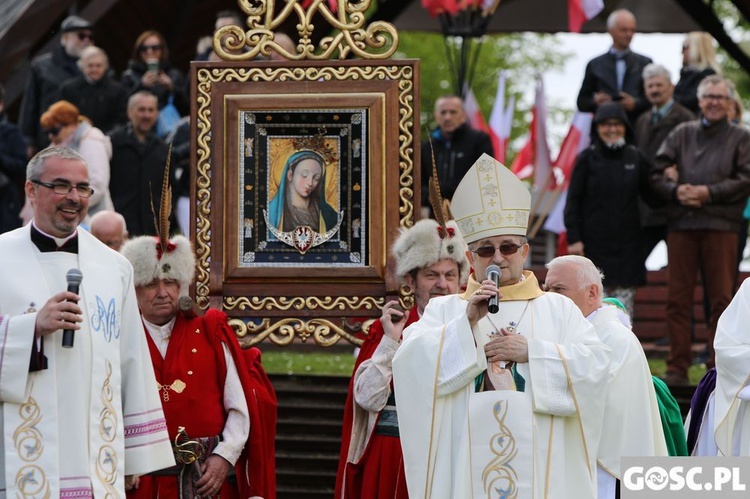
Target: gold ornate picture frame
(339, 136)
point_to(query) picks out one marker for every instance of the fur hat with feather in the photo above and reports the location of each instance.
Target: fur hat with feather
(428, 242)
(160, 257)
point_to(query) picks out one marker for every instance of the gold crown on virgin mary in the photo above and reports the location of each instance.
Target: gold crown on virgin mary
(317, 144)
(490, 201)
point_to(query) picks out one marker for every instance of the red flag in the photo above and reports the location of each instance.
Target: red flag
(474, 113)
(534, 157)
(577, 139)
(501, 120)
(580, 11)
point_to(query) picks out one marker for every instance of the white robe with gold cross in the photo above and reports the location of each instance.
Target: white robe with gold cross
(542, 441)
(93, 416)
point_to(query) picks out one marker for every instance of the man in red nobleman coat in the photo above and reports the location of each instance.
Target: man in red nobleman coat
(217, 399)
(431, 260)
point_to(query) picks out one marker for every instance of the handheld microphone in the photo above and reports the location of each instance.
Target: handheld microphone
(493, 273)
(74, 277)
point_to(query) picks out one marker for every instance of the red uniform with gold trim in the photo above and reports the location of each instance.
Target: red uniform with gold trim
(380, 471)
(195, 357)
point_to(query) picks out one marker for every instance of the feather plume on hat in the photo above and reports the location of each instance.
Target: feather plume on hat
(159, 257)
(429, 241)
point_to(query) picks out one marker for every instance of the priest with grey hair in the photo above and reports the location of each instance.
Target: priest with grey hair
(499, 388)
(632, 424)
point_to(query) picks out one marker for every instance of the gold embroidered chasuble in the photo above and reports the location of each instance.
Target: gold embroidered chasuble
(123, 427)
(457, 443)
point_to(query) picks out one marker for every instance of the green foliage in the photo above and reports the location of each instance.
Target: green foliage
(659, 368)
(308, 363)
(738, 29)
(524, 55)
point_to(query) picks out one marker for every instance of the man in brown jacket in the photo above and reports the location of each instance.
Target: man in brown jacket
(706, 194)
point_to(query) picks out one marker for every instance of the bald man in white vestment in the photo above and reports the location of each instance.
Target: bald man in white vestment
(632, 425)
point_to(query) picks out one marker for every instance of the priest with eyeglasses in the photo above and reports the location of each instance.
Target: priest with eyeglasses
(505, 403)
(76, 418)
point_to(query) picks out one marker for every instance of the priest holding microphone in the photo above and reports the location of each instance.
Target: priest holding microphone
(506, 402)
(75, 414)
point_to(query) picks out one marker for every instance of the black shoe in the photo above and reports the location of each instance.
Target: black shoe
(662, 342)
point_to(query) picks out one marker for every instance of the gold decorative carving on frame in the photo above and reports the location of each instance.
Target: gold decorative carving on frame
(206, 78)
(324, 332)
(302, 303)
(378, 40)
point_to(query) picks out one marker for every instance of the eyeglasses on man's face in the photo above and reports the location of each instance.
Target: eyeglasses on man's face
(487, 250)
(53, 130)
(714, 97)
(85, 35)
(64, 188)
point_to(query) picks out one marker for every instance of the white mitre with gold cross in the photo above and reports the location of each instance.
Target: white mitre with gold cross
(490, 201)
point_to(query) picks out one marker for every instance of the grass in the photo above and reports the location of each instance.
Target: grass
(659, 367)
(337, 364)
(309, 363)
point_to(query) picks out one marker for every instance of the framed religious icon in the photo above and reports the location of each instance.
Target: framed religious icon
(303, 189)
(304, 174)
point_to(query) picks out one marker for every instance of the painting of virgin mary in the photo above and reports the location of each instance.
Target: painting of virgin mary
(300, 199)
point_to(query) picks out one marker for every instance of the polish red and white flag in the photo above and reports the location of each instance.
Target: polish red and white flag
(474, 113)
(577, 139)
(534, 158)
(501, 120)
(580, 11)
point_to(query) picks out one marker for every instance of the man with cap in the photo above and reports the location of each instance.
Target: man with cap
(78, 421)
(500, 401)
(48, 72)
(208, 394)
(431, 260)
(632, 423)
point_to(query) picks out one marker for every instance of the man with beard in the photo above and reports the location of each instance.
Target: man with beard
(431, 260)
(48, 73)
(82, 419)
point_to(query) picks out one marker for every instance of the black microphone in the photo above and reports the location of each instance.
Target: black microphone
(493, 272)
(74, 277)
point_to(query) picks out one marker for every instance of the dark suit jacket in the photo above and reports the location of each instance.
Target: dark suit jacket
(649, 137)
(601, 76)
(136, 173)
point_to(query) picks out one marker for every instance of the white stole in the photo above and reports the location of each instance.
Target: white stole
(30, 417)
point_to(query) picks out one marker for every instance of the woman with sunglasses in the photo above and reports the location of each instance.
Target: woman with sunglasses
(149, 69)
(602, 215)
(66, 127)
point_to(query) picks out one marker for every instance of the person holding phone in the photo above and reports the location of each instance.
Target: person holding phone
(149, 69)
(431, 260)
